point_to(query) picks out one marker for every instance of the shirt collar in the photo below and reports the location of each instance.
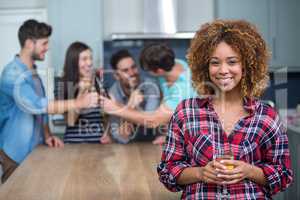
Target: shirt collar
(249, 104)
(23, 65)
(120, 89)
(20, 63)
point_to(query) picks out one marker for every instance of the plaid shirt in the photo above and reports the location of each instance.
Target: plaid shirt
(195, 133)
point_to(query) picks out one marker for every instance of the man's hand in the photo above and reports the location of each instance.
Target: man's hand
(126, 129)
(136, 97)
(53, 141)
(159, 140)
(109, 106)
(105, 139)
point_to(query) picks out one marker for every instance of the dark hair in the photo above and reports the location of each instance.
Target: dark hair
(32, 29)
(119, 55)
(243, 38)
(157, 56)
(71, 68)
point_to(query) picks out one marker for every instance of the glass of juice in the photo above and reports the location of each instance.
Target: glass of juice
(226, 156)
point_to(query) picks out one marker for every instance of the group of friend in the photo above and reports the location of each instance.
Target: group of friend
(200, 110)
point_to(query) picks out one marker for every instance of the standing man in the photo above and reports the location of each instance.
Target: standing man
(23, 104)
(134, 92)
(174, 81)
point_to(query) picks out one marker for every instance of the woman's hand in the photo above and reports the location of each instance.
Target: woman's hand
(208, 174)
(241, 171)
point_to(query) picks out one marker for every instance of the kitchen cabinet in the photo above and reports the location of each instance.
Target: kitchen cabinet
(277, 20)
(127, 16)
(248, 10)
(285, 32)
(193, 13)
(122, 16)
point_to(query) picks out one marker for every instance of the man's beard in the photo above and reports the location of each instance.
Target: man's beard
(36, 56)
(127, 85)
(134, 84)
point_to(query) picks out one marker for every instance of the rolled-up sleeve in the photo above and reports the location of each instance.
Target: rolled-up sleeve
(277, 162)
(174, 158)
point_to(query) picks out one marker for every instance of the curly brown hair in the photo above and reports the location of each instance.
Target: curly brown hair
(243, 38)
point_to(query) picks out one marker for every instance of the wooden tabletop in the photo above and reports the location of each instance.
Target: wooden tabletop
(89, 172)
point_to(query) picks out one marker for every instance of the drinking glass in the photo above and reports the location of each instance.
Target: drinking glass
(220, 155)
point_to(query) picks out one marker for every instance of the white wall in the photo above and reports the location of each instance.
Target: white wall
(12, 15)
(22, 4)
(75, 21)
(10, 21)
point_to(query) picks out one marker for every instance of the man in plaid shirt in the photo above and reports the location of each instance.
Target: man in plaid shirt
(231, 119)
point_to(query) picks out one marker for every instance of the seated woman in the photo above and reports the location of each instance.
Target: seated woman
(228, 144)
(85, 125)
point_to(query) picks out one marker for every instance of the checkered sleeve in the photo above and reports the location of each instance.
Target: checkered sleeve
(277, 163)
(174, 158)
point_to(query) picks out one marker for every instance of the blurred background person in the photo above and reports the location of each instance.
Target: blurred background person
(83, 125)
(23, 102)
(174, 82)
(135, 92)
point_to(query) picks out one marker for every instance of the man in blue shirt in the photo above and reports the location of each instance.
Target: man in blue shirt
(23, 105)
(175, 83)
(132, 90)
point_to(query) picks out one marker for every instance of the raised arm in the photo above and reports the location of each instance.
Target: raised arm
(150, 119)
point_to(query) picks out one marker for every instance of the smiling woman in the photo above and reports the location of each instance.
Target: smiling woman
(228, 60)
(85, 125)
(225, 69)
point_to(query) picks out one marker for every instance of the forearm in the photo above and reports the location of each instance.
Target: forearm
(257, 175)
(190, 175)
(61, 106)
(149, 119)
(71, 116)
(132, 115)
(47, 132)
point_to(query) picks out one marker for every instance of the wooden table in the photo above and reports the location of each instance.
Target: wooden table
(89, 172)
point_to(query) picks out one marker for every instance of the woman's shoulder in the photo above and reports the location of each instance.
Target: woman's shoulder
(268, 116)
(265, 108)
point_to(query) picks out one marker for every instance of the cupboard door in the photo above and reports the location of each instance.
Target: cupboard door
(254, 11)
(285, 32)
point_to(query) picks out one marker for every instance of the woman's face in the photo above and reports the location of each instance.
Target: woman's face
(85, 64)
(225, 68)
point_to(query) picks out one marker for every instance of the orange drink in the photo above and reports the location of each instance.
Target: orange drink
(226, 157)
